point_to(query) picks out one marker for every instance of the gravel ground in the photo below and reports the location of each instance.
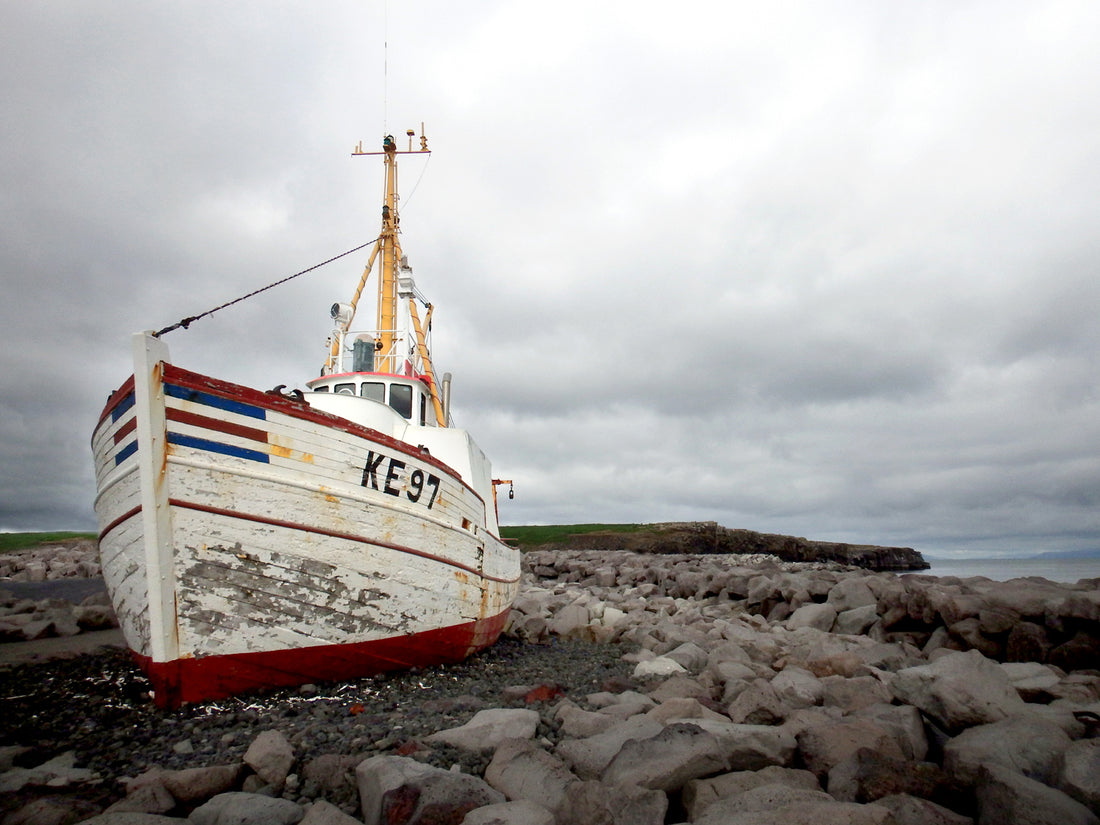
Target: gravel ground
(97, 705)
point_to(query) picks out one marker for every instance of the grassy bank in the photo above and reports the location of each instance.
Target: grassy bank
(530, 535)
(10, 542)
(520, 535)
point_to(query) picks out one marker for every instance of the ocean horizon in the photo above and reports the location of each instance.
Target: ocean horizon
(1067, 570)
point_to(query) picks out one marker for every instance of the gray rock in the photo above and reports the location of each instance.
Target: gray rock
(689, 656)
(488, 728)
(519, 812)
(911, 810)
(124, 818)
(270, 756)
(392, 786)
(768, 797)
(1032, 680)
(589, 756)
(595, 802)
(812, 813)
(331, 771)
(824, 746)
(682, 708)
(246, 809)
(680, 752)
(521, 770)
(817, 616)
(56, 810)
(661, 666)
(1078, 772)
(851, 593)
(325, 813)
(1026, 744)
(798, 688)
(853, 693)
(904, 723)
(757, 704)
(958, 690)
(751, 747)
(579, 724)
(193, 785)
(700, 794)
(1006, 797)
(856, 620)
(148, 798)
(867, 776)
(59, 772)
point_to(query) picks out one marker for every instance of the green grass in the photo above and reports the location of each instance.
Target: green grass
(10, 542)
(530, 535)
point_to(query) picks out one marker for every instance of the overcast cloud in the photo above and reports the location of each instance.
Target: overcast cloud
(826, 269)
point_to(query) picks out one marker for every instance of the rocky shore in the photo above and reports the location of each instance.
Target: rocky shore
(709, 537)
(629, 688)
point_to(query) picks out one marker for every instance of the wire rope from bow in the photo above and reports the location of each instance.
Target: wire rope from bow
(186, 322)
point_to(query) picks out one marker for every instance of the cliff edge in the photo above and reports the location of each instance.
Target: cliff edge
(711, 537)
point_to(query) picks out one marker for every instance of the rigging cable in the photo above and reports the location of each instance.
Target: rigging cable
(186, 322)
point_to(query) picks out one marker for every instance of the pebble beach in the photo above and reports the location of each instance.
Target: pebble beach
(628, 688)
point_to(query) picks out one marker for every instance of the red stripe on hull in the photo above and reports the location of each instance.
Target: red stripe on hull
(321, 531)
(125, 430)
(116, 398)
(217, 425)
(302, 411)
(218, 677)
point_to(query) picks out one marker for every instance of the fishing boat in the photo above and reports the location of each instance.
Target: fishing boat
(252, 539)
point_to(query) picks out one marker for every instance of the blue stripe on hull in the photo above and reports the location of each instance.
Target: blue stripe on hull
(122, 407)
(209, 400)
(217, 447)
(126, 452)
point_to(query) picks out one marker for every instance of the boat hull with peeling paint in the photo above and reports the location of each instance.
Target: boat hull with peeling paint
(251, 540)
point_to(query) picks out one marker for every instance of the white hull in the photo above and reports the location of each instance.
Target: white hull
(249, 540)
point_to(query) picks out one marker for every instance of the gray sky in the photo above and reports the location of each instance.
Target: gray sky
(821, 268)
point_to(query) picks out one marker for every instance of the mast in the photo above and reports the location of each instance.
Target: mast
(398, 333)
(391, 254)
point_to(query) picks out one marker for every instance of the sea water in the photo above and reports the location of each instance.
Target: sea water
(1057, 570)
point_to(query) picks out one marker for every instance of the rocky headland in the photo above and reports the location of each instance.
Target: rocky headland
(688, 537)
(629, 688)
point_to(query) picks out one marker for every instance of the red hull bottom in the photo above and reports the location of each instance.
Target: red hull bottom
(217, 677)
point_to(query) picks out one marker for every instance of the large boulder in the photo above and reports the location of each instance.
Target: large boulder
(1078, 772)
(912, 810)
(521, 770)
(958, 690)
(270, 756)
(396, 790)
(1027, 744)
(866, 776)
(489, 728)
(589, 756)
(700, 794)
(680, 752)
(825, 746)
(1007, 797)
(237, 808)
(751, 747)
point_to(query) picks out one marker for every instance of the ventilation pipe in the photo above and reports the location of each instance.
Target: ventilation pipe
(447, 398)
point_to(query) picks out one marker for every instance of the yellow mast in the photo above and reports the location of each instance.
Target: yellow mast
(391, 254)
(389, 245)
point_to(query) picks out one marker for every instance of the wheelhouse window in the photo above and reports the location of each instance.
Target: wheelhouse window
(345, 389)
(401, 399)
(321, 389)
(374, 390)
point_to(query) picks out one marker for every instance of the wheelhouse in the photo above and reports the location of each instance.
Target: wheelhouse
(409, 397)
